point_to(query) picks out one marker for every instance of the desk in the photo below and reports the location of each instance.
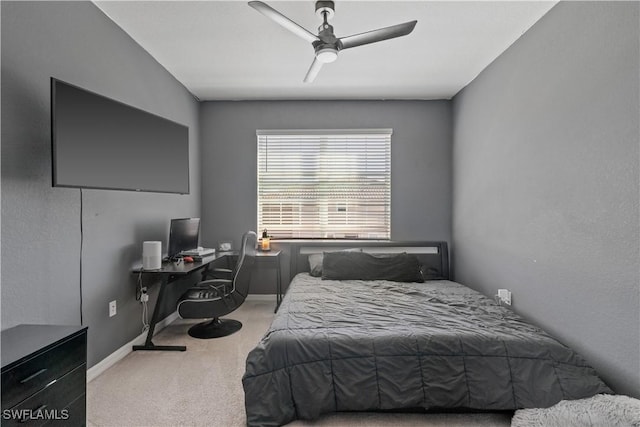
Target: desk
(170, 272)
(272, 259)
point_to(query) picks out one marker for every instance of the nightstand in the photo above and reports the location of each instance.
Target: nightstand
(271, 259)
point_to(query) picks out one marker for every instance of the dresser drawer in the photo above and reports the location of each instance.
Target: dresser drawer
(36, 373)
(50, 403)
(77, 411)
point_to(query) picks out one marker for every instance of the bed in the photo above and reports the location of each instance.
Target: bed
(338, 343)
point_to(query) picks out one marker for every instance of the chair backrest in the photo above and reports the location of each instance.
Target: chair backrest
(244, 267)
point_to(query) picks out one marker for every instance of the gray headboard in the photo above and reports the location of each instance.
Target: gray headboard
(433, 255)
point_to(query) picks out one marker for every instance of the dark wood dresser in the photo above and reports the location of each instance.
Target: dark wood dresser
(44, 375)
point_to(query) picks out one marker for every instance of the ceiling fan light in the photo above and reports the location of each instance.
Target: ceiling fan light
(327, 55)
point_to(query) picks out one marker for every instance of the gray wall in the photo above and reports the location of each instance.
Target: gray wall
(41, 240)
(546, 182)
(420, 162)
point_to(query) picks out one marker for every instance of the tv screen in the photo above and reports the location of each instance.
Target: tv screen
(184, 234)
(101, 143)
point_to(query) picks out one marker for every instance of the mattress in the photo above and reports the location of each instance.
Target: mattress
(355, 345)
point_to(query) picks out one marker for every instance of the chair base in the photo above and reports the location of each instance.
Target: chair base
(216, 328)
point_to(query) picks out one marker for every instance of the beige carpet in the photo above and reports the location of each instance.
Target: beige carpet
(202, 386)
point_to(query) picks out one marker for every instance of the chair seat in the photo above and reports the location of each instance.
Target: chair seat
(209, 290)
(209, 299)
(202, 294)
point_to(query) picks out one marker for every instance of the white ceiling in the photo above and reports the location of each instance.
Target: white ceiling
(226, 50)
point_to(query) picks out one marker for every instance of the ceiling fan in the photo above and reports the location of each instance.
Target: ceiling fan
(326, 45)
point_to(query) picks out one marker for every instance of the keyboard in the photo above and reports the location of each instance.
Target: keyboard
(199, 252)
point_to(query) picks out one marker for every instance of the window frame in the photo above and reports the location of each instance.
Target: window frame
(359, 139)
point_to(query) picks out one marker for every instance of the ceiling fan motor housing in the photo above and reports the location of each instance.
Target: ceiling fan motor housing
(328, 46)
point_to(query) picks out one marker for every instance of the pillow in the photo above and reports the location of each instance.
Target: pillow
(315, 262)
(315, 265)
(401, 267)
(430, 273)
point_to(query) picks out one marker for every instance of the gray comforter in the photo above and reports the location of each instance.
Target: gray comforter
(378, 345)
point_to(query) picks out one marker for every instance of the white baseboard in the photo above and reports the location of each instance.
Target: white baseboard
(120, 353)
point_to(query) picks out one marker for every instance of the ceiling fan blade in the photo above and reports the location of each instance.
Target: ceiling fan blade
(377, 35)
(287, 23)
(313, 71)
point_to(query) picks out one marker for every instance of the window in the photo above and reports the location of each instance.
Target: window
(325, 184)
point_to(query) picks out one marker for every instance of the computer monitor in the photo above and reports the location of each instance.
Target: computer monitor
(184, 234)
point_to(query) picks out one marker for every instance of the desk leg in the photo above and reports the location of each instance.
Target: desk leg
(149, 345)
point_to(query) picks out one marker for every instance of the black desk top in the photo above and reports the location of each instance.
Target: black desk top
(183, 268)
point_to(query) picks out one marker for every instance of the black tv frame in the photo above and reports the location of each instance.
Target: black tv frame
(144, 166)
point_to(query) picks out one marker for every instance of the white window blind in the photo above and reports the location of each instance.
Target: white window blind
(325, 184)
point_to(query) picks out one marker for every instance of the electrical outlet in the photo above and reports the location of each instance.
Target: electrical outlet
(144, 296)
(505, 296)
(113, 309)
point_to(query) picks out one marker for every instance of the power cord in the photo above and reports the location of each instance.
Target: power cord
(145, 313)
(143, 297)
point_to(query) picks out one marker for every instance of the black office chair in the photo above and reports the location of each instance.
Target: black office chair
(218, 297)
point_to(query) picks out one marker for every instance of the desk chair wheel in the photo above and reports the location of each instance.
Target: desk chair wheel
(216, 328)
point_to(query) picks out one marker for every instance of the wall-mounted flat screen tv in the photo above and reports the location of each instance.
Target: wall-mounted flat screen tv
(98, 142)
